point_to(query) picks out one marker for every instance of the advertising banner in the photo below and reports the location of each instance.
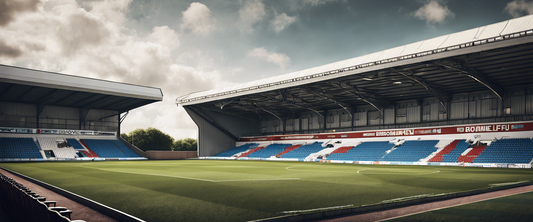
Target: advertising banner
(460, 129)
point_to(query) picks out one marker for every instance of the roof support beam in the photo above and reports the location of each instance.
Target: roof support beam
(295, 104)
(24, 94)
(378, 105)
(327, 96)
(47, 98)
(438, 93)
(475, 75)
(231, 114)
(6, 90)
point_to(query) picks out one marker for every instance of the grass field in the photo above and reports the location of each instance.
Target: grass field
(213, 190)
(511, 208)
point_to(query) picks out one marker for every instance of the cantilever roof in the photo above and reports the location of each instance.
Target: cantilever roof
(47, 88)
(494, 36)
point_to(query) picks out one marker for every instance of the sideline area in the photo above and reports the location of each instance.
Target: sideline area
(422, 208)
(79, 212)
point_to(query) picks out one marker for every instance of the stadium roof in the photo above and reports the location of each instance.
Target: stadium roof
(491, 57)
(23, 85)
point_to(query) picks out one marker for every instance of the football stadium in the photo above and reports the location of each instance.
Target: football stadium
(436, 120)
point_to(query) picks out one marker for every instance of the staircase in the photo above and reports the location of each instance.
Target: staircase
(443, 151)
(251, 151)
(472, 154)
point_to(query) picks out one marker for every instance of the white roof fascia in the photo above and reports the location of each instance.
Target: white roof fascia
(33, 77)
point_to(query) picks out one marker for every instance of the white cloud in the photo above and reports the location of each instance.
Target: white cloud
(61, 36)
(281, 21)
(519, 8)
(433, 12)
(9, 9)
(112, 11)
(198, 18)
(279, 59)
(164, 36)
(317, 2)
(252, 12)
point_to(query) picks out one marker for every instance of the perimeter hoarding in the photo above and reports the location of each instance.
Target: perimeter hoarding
(459, 129)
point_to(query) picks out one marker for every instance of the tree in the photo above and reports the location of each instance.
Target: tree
(188, 144)
(149, 139)
(125, 137)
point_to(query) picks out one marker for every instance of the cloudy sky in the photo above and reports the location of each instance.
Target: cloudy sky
(184, 46)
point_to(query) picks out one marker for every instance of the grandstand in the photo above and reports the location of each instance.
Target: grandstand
(462, 98)
(51, 116)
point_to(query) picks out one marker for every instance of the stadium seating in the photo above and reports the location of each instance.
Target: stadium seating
(49, 143)
(507, 151)
(366, 151)
(19, 148)
(109, 148)
(236, 150)
(343, 149)
(75, 144)
(25, 205)
(304, 151)
(453, 156)
(245, 154)
(270, 150)
(412, 151)
(472, 154)
(501, 151)
(288, 149)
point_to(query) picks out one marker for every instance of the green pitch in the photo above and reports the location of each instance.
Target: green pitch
(212, 190)
(511, 208)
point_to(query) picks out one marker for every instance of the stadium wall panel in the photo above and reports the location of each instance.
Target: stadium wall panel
(211, 139)
(170, 155)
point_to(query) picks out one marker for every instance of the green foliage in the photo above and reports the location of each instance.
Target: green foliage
(154, 139)
(125, 137)
(188, 144)
(150, 139)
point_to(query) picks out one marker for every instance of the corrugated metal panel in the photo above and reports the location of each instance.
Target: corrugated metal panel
(305, 124)
(529, 104)
(401, 115)
(517, 105)
(17, 109)
(389, 116)
(491, 31)
(518, 25)
(360, 119)
(375, 118)
(56, 112)
(459, 38)
(413, 114)
(459, 110)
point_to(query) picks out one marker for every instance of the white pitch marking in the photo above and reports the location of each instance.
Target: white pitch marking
(217, 181)
(361, 170)
(310, 210)
(192, 178)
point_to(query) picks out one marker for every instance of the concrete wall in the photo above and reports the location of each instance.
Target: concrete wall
(170, 155)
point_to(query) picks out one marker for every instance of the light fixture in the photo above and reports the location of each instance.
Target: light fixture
(367, 79)
(397, 83)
